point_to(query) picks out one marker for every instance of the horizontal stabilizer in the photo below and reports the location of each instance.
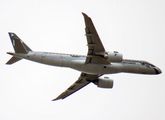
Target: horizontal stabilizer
(13, 60)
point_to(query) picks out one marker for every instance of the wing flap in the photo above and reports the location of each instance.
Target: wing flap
(93, 42)
(92, 35)
(80, 83)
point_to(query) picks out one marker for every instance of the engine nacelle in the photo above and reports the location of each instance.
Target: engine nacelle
(104, 82)
(113, 57)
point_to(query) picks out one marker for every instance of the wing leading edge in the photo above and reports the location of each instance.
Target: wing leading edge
(95, 48)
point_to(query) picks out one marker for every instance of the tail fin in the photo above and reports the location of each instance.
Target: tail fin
(19, 47)
(18, 44)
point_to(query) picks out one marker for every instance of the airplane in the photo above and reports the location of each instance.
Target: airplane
(96, 63)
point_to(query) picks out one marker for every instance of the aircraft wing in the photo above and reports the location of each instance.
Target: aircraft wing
(83, 80)
(94, 43)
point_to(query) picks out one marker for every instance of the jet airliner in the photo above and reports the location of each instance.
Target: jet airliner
(96, 63)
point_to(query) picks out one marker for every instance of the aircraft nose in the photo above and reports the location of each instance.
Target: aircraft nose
(157, 70)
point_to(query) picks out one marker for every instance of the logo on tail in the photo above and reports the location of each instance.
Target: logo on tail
(19, 47)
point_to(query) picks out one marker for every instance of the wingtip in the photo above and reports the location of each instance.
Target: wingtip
(85, 15)
(55, 99)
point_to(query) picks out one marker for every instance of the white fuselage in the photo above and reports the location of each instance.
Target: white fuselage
(77, 62)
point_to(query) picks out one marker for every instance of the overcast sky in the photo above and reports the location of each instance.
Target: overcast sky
(135, 28)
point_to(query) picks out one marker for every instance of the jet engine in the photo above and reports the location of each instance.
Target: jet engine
(104, 82)
(113, 56)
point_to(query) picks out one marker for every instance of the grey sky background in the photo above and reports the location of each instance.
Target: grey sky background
(134, 28)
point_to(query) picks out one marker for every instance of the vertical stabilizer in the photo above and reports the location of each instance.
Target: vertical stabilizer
(18, 45)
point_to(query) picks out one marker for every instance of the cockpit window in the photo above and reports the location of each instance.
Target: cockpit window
(147, 64)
